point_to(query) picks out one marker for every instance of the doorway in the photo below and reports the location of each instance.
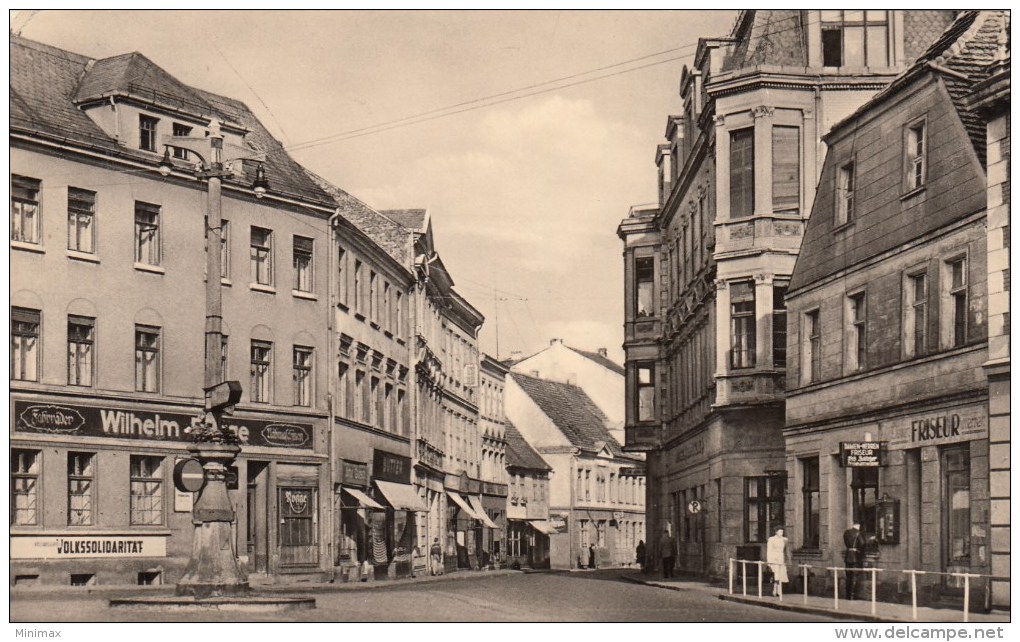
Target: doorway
(956, 515)
(256, 520)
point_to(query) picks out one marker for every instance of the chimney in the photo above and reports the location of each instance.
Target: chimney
(516, 355)
(603, 352)
(553, 342)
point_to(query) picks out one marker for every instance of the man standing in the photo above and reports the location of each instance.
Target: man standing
(853, 539)
(666, 550)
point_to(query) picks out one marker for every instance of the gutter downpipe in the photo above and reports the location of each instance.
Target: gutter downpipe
(330, 373)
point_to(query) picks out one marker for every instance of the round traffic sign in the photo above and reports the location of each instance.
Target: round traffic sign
(694, 506)
(189, 476)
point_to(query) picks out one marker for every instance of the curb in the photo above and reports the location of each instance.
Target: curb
(813, 610)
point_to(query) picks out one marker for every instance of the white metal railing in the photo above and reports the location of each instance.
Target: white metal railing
(804, 569)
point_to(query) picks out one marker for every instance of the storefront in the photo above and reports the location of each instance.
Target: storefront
(93, 500)
(466, 523)
(494, 506)
(393, 539)
(354, 514)
(918, 483)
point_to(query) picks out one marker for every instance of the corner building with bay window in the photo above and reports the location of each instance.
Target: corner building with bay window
(707, 268)
(107, 285)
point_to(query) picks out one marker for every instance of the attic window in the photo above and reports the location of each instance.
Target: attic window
(855, 38)
(147, 132)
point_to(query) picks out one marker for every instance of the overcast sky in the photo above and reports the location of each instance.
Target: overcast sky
(525, 195)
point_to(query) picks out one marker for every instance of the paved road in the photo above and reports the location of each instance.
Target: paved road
(600, 596)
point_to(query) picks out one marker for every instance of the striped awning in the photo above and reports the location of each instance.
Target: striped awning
(457, 499)
(482, 515)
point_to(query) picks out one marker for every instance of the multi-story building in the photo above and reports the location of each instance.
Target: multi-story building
(708, 266)
(887, 413)
(596, 494)
(493, 473)
(107, 343)
(528, 528)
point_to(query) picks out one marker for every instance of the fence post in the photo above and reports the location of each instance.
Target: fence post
(966, 597)
(835, 587)
(804, 576)
(913, 593)
(780, 585)
(743, 569)
(729, 571)
(759, 579)
(874, 588)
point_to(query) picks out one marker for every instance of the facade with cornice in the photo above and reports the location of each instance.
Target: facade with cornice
(707, 267)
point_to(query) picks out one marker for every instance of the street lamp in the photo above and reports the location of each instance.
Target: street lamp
(212, 570)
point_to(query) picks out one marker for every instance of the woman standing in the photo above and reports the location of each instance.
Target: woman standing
(777, 554)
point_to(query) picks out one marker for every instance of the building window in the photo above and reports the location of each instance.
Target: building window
(224, 246)
(262, 255)
(80, 477)
(864, 485)
(302, 376)
(645, 392)
(147, 248)
(916, 317)
(147, 132)
(261, 371)
(856, 332)
(387, 312)
(25, 344)
(955, 304)
(146, 490)
(785, 170)
(742, 173)
(303, 264)
(81, 219)
(365, 406)
(24, 487)
(763, 506)
(855, 38)
(373, 301)
(357, 286)
(845, 194)
(644, 280)
(916, 155)
(341, 276)
(400, 314)
(742, 329)
(779, 326)
(587, 485)
(25, 214)
(80, 342)
(812, 347)
(181, 130)
(811, 495)
(147, 358)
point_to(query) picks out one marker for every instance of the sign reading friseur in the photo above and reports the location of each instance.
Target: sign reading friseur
(93, 421)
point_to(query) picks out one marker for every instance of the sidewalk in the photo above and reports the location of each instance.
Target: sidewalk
(857, 610)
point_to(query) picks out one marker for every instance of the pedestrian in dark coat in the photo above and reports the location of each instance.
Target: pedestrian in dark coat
(641, 554)
(853, 557)
(667, 549)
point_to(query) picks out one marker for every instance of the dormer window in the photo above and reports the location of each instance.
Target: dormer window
(181, 130)
(855, 38)
(147, 132)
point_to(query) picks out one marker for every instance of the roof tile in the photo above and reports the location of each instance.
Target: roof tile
(520, 454)
(572, 411)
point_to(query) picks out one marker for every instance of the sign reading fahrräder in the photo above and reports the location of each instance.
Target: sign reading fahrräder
(24, 547)
(861, 454)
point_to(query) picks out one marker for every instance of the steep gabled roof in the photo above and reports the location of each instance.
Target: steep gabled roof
(768, 37)
(520, 454)
(572, 411)
(603, 361)
(413, 219)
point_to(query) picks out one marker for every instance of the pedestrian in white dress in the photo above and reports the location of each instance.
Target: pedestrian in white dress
(777, 554)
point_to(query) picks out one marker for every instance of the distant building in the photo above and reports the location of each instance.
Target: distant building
(889, 330)
(528, 528)
(596, 499)
(493, 470)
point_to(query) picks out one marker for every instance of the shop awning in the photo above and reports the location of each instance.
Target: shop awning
(542, 526)
(402, 496)
(457, 499)
(363, 499)
(482, 515)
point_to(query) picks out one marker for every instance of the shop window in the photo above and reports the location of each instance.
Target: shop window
(146, 490)
(25, 344)
(147, 237)
(855, 38)
(954, 303)
(916, 156)
(742, 173)
(916, 315)
(811, 498)
(779, 326)
(25, 211)
(856, 332)
(303, 263)
(864, 486)
(644, 286)
(302, 376)
(147, 132)
(24, 487)
(785, 170)
(845, 194)
(764, 502)
(80, 488)
(645, 392)
(80, 343)
(261, 256)
(261, 371)
(181, 130)
(299, 541)
(957, 520)
(147, 362)
(742, 325)
(81, 220)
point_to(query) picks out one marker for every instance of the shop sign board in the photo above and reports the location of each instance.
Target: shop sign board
(861, 454)
(390, 467)
(75, 420)
(353, 473)
(496, 490)
(63, 546)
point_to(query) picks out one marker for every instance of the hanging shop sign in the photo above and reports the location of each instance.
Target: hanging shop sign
(96, 421)
(861, 454)
(63, 546)
(391, 467)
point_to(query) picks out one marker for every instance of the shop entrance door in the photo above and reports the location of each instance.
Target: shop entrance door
(956, 515)
(256, 517)
(299, 511)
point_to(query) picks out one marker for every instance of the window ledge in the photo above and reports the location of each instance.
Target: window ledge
(28, 247)
(374, 324)
(145, 267)
(842, 227)
(223, 281)
(258, 287)
(914, 192)
(301, 294)
(343, 306)
(82, 256)
(389, 335)
(359, 316)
